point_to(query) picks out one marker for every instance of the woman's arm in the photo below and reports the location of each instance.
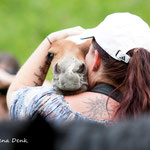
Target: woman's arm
(35, 69)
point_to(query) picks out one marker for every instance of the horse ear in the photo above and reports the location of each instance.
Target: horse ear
(85, 46)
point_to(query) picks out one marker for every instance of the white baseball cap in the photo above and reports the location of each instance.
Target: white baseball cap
(120, 32)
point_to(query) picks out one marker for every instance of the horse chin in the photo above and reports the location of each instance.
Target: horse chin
(83, 88)
(70, 84)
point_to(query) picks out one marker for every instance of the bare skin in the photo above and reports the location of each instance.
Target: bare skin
(93, 105)
(34, 71)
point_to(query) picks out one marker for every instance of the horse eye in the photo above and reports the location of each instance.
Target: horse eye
(50, 56)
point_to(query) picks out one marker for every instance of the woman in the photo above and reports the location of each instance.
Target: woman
(118, 64)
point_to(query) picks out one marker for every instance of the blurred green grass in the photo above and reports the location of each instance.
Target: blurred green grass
(25, 23)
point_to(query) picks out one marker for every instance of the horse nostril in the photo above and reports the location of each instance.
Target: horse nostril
(57, 68)
(81, 69)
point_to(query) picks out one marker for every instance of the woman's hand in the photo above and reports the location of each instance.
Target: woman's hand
(65, 33)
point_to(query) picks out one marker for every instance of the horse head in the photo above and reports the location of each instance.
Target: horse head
(68, 66)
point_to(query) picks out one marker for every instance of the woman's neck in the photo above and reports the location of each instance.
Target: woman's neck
(101, 78)
(107, 81)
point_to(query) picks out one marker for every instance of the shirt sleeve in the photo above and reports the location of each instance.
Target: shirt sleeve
(28, 100)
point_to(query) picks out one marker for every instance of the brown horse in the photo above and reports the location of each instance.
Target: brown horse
(68, 66)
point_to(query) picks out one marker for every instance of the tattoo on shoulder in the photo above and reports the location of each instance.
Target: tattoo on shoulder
(97, 108)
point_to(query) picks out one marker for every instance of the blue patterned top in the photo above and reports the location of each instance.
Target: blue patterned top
(28, 101)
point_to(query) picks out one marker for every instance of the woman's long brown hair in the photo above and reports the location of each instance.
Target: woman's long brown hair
(133, 78)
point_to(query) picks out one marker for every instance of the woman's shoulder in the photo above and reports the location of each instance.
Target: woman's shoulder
(94, 105)
(52, 106)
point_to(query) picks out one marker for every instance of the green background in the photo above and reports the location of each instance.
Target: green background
(25, 23)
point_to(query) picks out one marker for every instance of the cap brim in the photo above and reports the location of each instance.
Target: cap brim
(85, 38)
(78, 39)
